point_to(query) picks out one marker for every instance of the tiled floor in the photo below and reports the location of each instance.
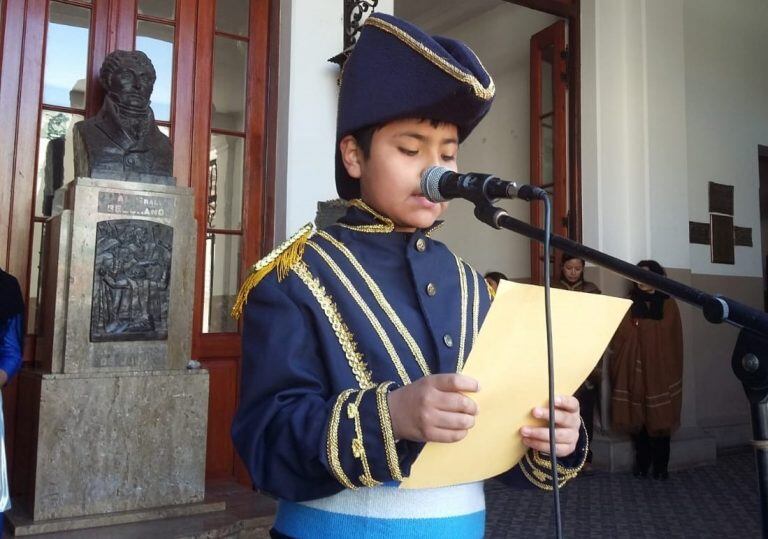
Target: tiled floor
(713, 501)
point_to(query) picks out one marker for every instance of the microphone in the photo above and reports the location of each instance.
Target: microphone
(439, 184)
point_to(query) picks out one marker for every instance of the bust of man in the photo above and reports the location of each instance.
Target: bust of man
(122, 141)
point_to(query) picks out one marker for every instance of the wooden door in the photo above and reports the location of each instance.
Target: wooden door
(234, 206)
(212, 63)
(549, 150)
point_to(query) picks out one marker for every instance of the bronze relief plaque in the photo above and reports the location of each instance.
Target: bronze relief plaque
(131, 277)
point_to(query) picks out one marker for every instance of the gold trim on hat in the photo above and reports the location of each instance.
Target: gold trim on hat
(480, 91)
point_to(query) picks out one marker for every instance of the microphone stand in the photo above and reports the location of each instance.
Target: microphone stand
(750, 355)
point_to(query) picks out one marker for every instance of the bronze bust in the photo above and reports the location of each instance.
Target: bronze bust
(122, 142)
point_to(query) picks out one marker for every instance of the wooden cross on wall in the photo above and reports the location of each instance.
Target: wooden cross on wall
(720, 233)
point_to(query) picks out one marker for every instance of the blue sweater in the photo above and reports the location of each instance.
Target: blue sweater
(11, 339)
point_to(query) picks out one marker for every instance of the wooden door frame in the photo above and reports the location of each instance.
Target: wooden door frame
(10, 82)
(216, 350)
(569, 10)
(258, 194)
(552, 36)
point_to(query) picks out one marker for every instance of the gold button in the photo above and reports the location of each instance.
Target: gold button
(448, 340)
(421, 245)
(431, 289)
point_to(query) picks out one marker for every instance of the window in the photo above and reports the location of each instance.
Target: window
(63, 101)
(155, 33)
(224, 223)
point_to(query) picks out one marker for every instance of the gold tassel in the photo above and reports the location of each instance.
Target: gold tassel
(283, 257)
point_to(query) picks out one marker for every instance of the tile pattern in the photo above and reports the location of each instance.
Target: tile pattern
(712, 501)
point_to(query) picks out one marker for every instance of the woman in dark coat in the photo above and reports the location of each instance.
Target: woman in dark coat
(572, 278)
(647, 375)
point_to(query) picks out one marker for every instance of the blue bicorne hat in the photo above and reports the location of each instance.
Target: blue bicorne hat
(397, 71)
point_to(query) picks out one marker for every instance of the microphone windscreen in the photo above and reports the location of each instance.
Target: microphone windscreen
(430, 183)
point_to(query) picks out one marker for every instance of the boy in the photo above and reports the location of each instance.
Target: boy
(353, 336)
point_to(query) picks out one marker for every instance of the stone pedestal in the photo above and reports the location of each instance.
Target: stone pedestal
(83, 285)
(107, 443)
(113, 424)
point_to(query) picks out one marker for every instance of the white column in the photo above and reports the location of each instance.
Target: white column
(311, 32)
(634, 139)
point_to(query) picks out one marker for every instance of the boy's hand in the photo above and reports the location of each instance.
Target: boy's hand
(433, 409)
(567, 426)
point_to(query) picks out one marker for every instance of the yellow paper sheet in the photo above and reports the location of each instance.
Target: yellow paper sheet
(509, 359)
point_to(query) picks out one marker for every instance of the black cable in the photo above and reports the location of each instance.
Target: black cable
(551, 366)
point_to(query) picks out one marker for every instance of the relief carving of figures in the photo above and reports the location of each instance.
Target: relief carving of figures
(131, 275)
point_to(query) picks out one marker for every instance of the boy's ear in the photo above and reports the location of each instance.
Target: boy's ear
(351, 156)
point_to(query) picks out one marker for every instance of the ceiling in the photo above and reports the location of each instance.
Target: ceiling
(498, 31)
(437, 15)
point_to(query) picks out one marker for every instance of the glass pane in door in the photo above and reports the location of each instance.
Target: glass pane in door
(222, 264)
(55, 161)
(66, 56)
(162, 9)
(156, 41)
(35, 275)
(232, 16)
(546, 117)
(230, 67)
(225, 182)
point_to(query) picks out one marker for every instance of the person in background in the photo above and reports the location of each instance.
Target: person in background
(572, 278)
(647, 375)
(493, 278)
(11, 346)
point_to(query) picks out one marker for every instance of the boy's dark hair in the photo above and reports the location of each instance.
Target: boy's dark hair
(495, 276)
(364, 136)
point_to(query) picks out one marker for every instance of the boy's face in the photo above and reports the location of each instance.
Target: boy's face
(390, 177)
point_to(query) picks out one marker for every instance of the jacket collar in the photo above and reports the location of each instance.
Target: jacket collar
(362, 218)
(110, 126)
(577, 286)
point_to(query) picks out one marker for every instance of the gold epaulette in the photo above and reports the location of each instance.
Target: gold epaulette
(282, 258)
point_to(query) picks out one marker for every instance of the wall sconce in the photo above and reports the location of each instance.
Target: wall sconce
(354, 10)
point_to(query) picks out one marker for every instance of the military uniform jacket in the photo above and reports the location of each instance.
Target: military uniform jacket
(363, 310)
